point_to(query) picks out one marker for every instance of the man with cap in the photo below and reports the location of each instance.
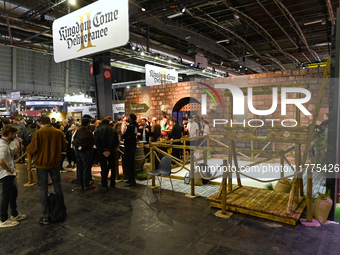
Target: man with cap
(106, 141)
(130, 143)
(83, 152)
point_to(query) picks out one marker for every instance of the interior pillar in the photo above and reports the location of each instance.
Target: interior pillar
(103, 85)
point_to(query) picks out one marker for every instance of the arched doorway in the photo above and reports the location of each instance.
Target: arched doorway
(184, 107)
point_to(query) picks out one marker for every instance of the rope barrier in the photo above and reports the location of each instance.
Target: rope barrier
(157, 157)
(18, 159)
(143, 157)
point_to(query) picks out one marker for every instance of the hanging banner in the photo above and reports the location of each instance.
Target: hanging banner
(100, 26)
(155, 75)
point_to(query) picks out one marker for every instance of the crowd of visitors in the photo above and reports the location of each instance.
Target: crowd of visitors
(85, 143)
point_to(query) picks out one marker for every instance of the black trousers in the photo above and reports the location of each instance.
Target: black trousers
(84, 165)
(176, 152)
(107, 164)
(63, 156)
(8, 197)
(71, 157)
(129, 164)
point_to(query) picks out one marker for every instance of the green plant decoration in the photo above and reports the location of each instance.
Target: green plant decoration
(269, 186)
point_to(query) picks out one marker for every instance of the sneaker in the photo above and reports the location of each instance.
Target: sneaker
(63, 170)
(44, 221)
(19, 217)
(8, 223)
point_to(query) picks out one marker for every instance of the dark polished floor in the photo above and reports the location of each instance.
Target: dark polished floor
(131, 221)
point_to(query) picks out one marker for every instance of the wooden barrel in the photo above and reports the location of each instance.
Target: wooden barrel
(138, 155)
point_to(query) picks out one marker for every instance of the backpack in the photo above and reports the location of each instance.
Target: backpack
(78, 144)
(57, 208)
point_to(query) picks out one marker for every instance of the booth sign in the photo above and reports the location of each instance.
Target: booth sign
(97, 27)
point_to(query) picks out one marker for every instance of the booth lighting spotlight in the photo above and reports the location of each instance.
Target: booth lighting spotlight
(127, 87)
(183, 10)
(73, 2)
(138, 86)
(133, 47)
(303, 66)
(191, 64)
(169, 61)
(143, 9)
(142, 53)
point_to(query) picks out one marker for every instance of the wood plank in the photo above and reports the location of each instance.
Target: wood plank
(287, 220)
(269, 196)
(252, 198)
(278, 204)
(272, 202)
(282, 211)
(244, 198)
(259, 200)
(242, 192)
(297, 213)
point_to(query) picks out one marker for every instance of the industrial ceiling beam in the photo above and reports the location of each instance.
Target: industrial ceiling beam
(41, 9)
(295, 26)
(258, 28)
(330, 12)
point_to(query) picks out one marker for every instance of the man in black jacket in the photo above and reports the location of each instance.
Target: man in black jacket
(130, 143)
(176, 133)
(83, 154)
(106, 141)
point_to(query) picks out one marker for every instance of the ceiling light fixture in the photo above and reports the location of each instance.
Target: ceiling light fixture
(313, 22)
(226, 40)
(143, 9)
(175, 15)
(183, 10)
(73, 2)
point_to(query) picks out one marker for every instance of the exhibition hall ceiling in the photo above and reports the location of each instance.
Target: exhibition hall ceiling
(249, 36)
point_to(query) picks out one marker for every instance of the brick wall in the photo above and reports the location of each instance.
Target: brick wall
(166, 96)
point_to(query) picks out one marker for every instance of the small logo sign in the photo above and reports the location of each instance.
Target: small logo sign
(107, 74)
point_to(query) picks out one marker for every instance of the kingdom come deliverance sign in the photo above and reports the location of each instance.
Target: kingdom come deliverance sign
(97, 27)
